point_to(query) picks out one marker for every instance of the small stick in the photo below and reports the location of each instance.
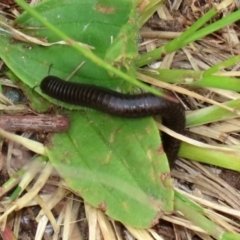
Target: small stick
(33, 123)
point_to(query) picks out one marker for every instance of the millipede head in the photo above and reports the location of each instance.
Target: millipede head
(46, 83)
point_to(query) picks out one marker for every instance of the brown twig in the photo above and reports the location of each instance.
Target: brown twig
(32, 123)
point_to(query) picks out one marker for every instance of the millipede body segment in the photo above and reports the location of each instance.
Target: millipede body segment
(122, 105)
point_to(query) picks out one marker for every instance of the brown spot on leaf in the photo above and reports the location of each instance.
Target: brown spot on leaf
(160, 149)
(156, 219)
(65, 158)
(165, 178)
(102, 206)
(105, 9)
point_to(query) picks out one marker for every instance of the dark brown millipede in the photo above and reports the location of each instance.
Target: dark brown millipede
(123, 105)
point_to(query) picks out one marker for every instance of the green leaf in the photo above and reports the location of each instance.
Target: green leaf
(87, 23)
(117, 166)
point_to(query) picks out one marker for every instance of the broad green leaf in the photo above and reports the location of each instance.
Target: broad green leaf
(115, 164)
(85, 21)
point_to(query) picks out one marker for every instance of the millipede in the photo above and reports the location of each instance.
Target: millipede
(122, 105)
